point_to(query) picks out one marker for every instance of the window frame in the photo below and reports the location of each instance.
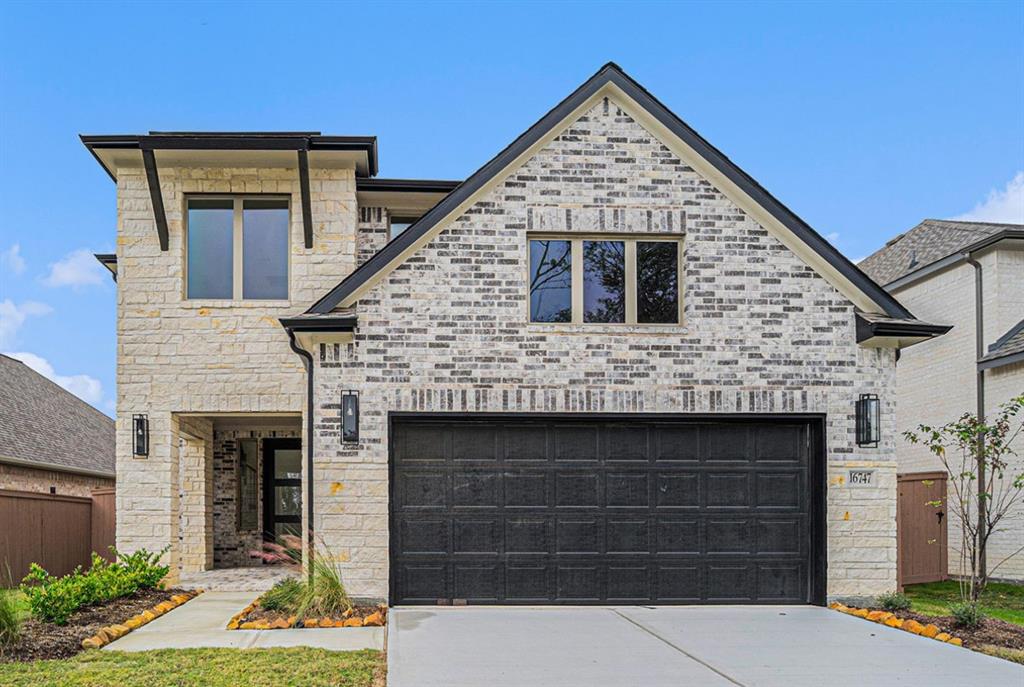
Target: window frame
(400, 219)
(577, 273)
(237, 243)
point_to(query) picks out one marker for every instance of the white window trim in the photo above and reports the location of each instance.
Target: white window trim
(576, 247)
(237, 262)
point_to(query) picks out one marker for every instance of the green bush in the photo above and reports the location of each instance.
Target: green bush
(966, 614)
(54, 599)
(894, 601)
(283, 596)
(323, 593)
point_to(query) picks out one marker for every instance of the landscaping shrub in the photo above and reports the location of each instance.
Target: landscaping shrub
(323, 593)
(966, 614)
(894, 601)
(283, 596)
(10, 620)
(54, 599)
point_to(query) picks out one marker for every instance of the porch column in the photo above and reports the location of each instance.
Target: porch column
(195, 461)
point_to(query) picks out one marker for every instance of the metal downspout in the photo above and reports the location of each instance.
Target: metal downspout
(307, 358)
(979, 338)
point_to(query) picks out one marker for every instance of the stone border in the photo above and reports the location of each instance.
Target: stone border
(107, 634)
(375, 619)
(891, 620)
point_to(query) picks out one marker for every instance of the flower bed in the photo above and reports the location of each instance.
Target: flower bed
(888, 619)
(255, 617)
(45, 640)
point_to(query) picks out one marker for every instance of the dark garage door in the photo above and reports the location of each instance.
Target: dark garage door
(519, 510)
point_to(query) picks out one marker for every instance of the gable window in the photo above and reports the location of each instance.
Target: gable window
(237, 248)
(398, 225)
(614, 280)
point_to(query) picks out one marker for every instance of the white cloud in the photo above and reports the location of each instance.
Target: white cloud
(85, 387)
(12, 316)
(76, 269)
(1006, 205)
(11, 260)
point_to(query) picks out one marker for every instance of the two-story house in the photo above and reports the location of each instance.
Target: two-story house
(606, 367)
(969, 275)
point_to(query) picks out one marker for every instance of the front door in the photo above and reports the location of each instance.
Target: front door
(282, 488)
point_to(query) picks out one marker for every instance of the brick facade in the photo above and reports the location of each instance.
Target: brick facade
(18, 478)
(448, 331)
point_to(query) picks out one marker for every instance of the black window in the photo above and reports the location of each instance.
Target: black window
(657, 282)
(550, 281)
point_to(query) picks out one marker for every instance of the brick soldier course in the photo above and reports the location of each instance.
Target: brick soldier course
(446, 329)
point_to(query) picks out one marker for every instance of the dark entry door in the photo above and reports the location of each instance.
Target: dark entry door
(282, 488)
(615, 509)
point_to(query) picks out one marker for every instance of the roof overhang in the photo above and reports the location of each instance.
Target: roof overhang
(300, 150)
(1008, 238)
(736, 184)
(1001, 361)
(108, 260)
(402, 197)
(310, 330)
(888, 332)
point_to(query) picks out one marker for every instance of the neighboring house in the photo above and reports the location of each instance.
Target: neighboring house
(606, 367)
(928, 268)
(51, 441)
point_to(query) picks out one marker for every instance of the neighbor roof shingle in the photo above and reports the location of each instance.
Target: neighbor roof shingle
(1010, 343)
(929, 241)
(42, 423)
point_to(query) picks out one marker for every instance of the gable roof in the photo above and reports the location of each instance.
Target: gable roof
(44, 426)
(927, 243)
(726, 175)
(1008, 349)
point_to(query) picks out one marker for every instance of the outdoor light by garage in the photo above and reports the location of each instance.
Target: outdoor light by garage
(868, 420)
(140, 434)
(350, 416)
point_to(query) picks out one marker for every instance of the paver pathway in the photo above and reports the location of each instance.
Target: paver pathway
(201, 623)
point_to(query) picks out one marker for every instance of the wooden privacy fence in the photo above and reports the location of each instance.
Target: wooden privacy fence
(57, 532)
(921, 518)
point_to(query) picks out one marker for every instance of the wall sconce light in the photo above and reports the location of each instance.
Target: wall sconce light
(350, 416)
(140, 435)
(869, 430)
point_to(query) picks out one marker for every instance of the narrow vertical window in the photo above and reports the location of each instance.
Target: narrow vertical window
(604, 281)
(550, 281)
(210, 248)
(265, 249)
(657, 282)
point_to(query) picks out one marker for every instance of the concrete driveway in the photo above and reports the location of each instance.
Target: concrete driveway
(789, 646)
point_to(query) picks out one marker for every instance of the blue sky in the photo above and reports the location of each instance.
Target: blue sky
(863, 118)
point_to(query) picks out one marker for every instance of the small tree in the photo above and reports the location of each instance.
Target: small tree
(976, 453)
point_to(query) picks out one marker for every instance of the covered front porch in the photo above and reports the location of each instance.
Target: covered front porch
(239, 486)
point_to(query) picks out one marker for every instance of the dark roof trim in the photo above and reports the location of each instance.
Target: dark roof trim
(867, 329)
(406, 185)
(954, 258)
(108, 260)
(614, 74)
(341, 323)
(54, 467)
(156, 197)
(989, 363)
(222, 140)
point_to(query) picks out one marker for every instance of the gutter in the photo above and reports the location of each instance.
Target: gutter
(307, 359)
(54, 467)
(955, 259)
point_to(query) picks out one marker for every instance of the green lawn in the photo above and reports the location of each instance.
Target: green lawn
(1000, 600)
(207, 667)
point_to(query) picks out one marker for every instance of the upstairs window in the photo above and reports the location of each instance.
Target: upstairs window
(237, 248)
(614, 280)
(398, 225)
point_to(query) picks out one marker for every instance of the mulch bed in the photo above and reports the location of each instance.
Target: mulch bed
(280, 620)
(990, 631)
(41, 640)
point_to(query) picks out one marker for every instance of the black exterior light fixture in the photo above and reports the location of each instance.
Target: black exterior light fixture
(140, 435)
(868, 420)
(350, 416)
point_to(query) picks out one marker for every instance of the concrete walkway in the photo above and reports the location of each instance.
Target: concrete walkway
(726, 646)
(201, 623)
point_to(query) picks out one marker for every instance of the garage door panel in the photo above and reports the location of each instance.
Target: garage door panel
(570, 511)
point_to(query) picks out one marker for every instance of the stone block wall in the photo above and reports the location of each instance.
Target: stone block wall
(196, 356)
(448, 331)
